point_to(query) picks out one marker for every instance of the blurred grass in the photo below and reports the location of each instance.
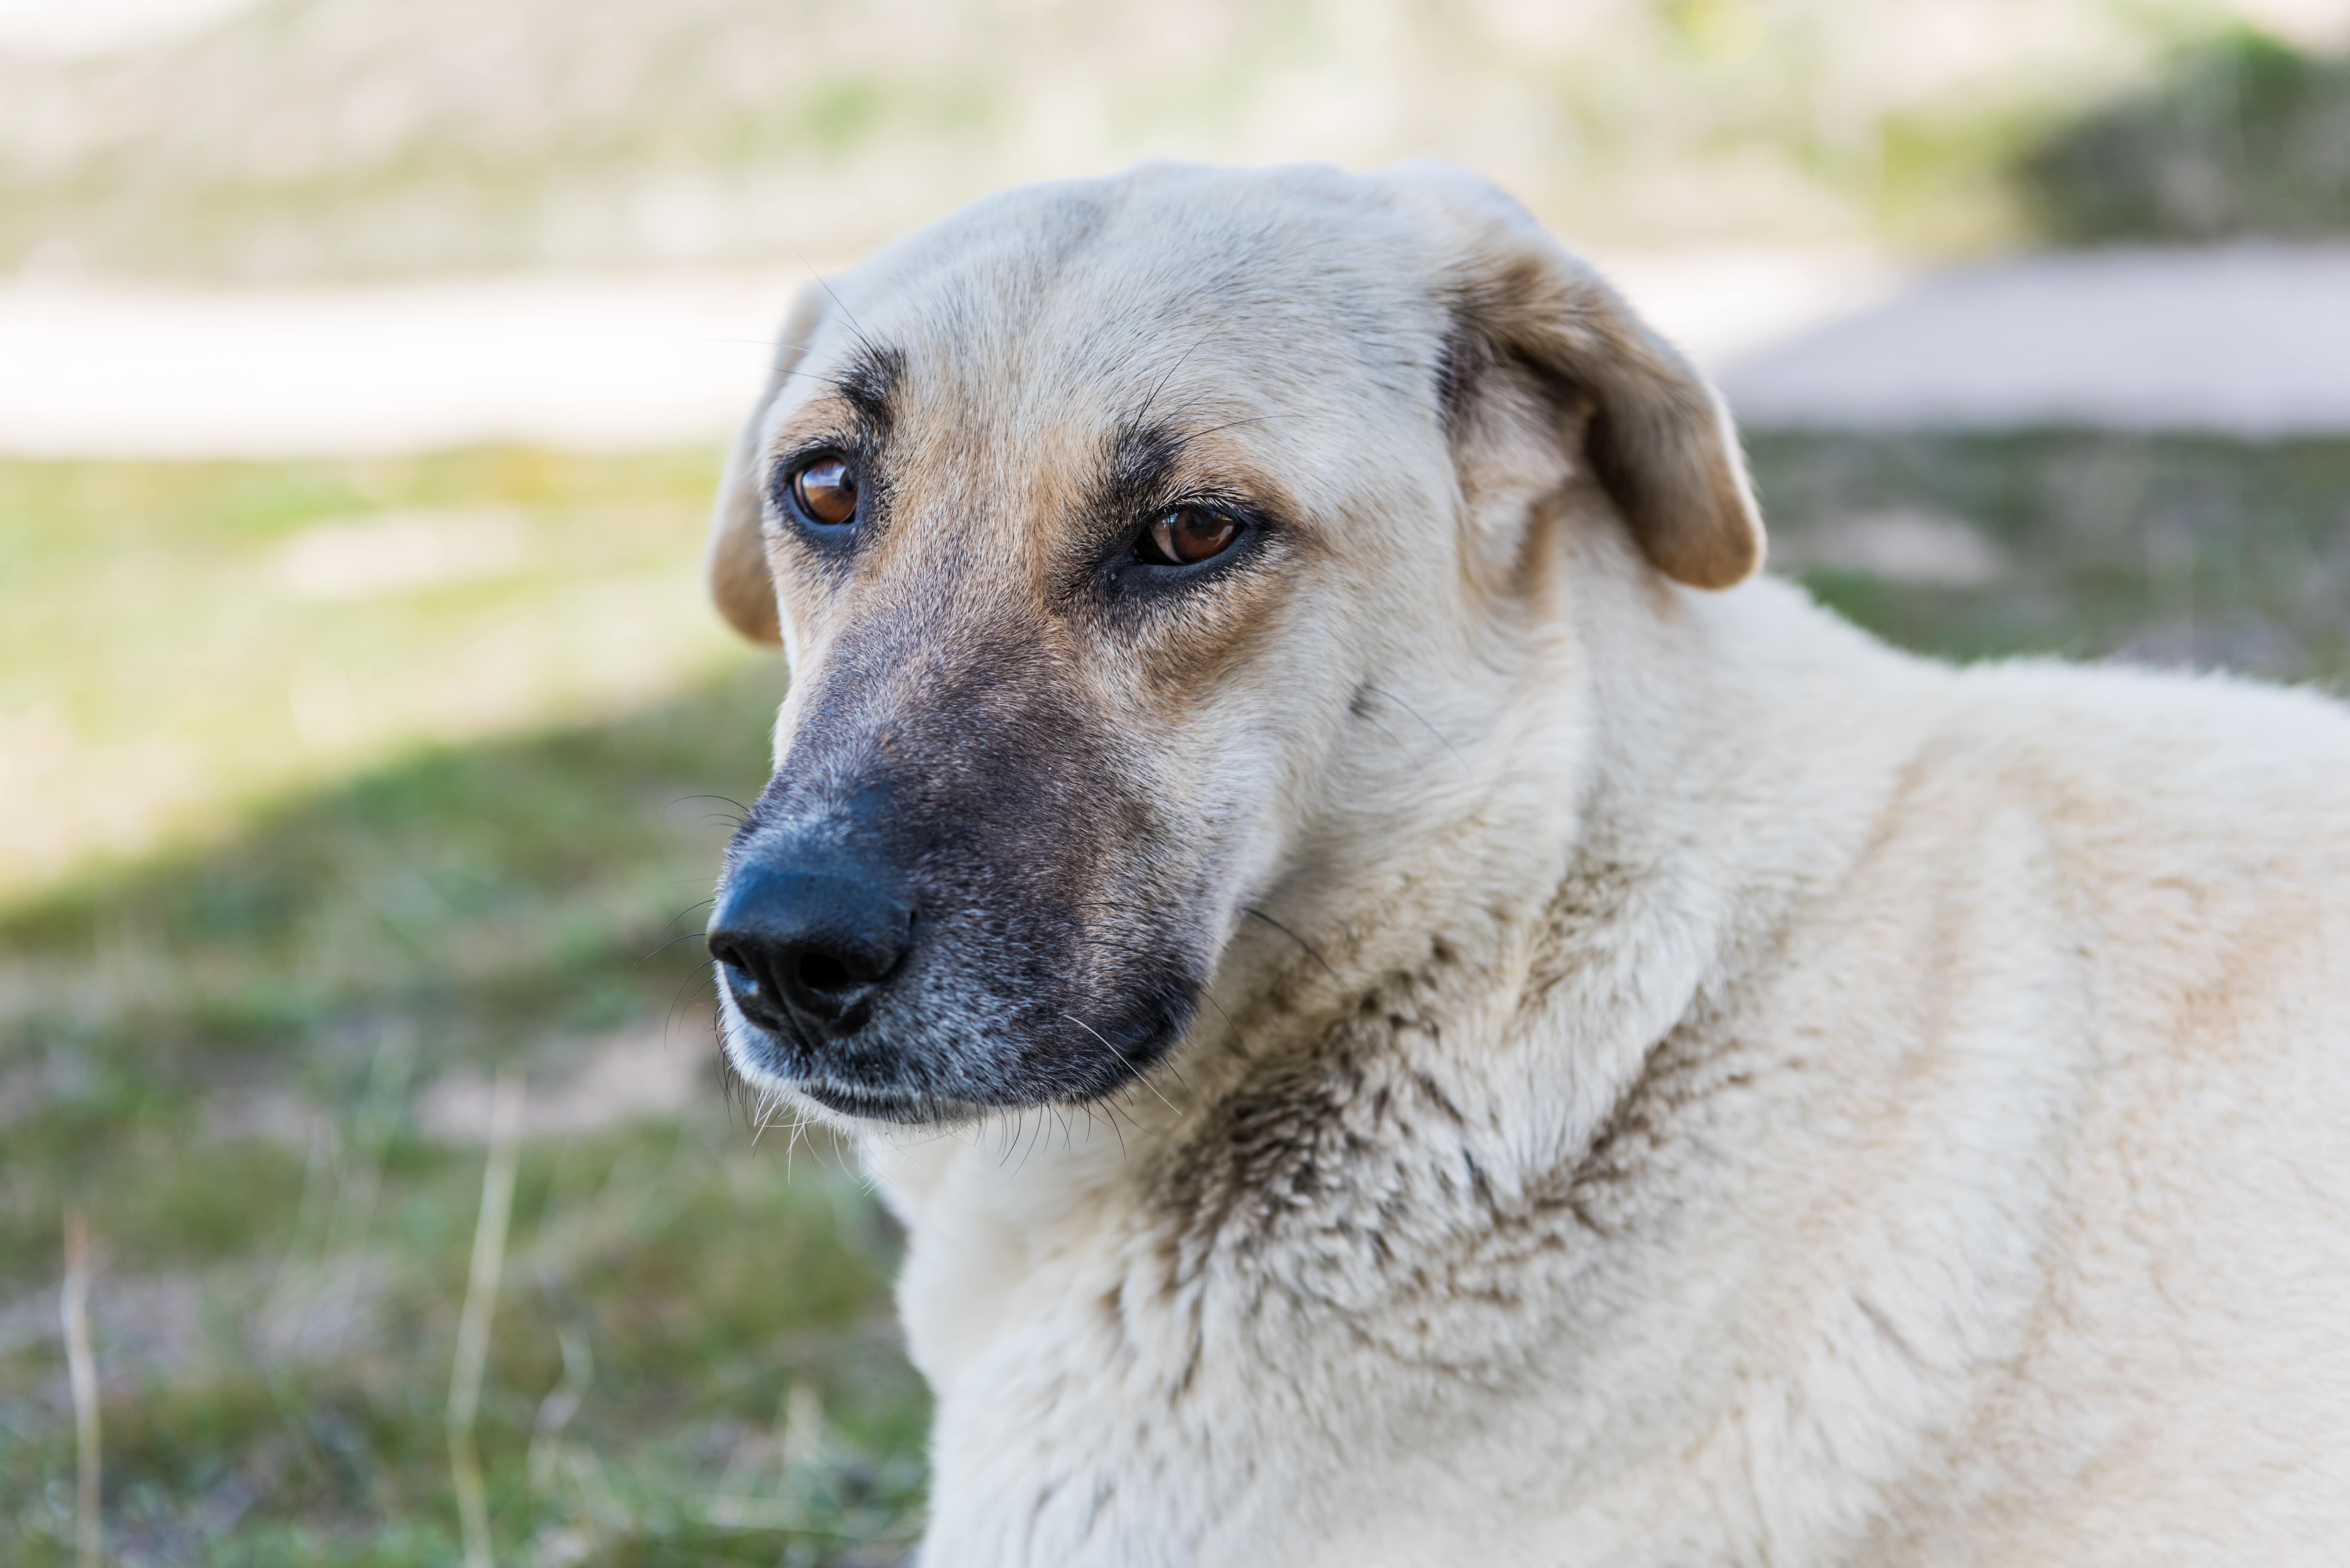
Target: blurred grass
(180, 639)
(312, 139)
(221, 1049)
(222, 1039)
(284, 1297)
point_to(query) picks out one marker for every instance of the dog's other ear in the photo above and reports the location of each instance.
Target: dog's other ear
(1658, 437)
(735, 563)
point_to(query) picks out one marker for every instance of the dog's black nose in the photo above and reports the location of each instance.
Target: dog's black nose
(812, 940)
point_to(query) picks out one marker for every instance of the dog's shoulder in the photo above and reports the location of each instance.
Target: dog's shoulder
(2195, 828)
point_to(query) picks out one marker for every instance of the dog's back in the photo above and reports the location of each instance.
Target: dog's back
(2083, 1005)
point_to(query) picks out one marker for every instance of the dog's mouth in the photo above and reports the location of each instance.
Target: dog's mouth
(884, 1106)
(919, 1066)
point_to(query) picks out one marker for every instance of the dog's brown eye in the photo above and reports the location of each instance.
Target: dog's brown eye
(1188, 535)
(826, 492)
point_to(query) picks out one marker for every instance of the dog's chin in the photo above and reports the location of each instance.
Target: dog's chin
(875, 1084)
(834, 1099)
(770, 1070)
(886, 1106)
(760, 1060)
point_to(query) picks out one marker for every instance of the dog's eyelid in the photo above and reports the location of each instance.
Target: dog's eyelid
(845, 448)
(1156, 541)
(848, 446)
(1217, 500)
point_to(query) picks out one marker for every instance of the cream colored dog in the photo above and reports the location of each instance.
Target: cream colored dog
(1416, 1014)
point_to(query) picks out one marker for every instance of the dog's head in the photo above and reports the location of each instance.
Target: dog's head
(1106, 526)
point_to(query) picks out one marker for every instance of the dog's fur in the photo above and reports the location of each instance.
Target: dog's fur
(1614, 1071)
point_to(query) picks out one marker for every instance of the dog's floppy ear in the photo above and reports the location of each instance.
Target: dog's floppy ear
(1658, 437)
(736, 560)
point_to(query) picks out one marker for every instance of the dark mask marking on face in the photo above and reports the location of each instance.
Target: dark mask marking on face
(963, 770)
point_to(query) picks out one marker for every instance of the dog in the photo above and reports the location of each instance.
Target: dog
(1415, 1010)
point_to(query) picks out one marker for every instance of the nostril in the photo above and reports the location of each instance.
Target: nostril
(822, 972)
(830, 983)
(748, 983)
(808, 947)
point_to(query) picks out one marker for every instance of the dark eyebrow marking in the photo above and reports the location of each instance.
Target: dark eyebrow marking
(1139, 471)
(868, 383)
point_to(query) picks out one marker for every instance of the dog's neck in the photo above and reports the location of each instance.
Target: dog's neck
(1626, 826)
(1507, 967)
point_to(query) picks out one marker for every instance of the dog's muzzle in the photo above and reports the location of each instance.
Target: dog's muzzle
(953, 927)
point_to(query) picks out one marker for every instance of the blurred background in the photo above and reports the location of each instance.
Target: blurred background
(364, 370)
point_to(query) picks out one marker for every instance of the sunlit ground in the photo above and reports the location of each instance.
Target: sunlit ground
(330, 786)
(181, 641)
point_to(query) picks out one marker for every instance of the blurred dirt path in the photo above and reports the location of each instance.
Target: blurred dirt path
(595, 364)
(586, 363)
(2248, 340)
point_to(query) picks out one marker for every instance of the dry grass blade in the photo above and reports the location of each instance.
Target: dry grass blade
(481, 1303)
(562, 1403)
(81, 1365)
(803, 1443)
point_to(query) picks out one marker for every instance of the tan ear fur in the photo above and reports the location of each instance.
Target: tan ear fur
(734, 563)
(1658, 439)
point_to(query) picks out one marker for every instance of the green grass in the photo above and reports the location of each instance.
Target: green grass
(221, 1037)
(506, 900)
(323, 935)
(2183, 551)
(177, 643)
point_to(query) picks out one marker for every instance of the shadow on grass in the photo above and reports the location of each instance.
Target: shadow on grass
(2190, 552)
(483, 896)
(692, 1359)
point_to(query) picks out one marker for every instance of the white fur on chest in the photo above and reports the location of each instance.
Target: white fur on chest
(1412, 1308)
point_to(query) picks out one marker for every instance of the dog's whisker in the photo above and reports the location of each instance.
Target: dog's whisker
(1378, 691)
(688, 910)
(680, 937)
(741, 811)
(1292, 936)
(1119, 1133)
(705, 969)
(1186, 440)
(850, 317)
(1197, 344)
(1139, 1075)
(1390, 735)
(1036, 1141)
